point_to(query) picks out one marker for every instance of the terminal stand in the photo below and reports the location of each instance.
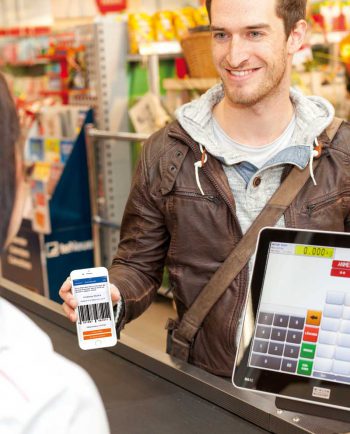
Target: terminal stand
(312, 409)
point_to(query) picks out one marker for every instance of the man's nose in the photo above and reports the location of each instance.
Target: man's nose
(238, 52)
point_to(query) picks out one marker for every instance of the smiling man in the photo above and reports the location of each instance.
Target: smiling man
(203, 180)
(253, 49)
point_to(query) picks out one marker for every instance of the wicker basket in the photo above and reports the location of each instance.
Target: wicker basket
(196, 47)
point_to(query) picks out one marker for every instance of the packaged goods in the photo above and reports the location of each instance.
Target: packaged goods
(331, 15)
(140, 31)
(163, 26)
(345, 49)
(183, 20)
(200, 16)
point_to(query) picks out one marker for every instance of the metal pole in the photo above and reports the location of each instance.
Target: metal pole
(91, 162)
(153, 74)
(100, 134)
(92, 136)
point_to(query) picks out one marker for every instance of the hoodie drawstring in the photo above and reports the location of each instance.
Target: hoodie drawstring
(315, 153)
(200, 164)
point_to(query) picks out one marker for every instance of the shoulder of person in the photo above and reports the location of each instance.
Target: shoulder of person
(18, 330)
(65, 393)
(75, 378)
(341, 140)
(163, 141)
(80, 394)
(41, 383)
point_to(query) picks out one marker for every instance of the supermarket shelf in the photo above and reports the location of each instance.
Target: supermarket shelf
(100, 134)
(54, 58)
(164, 56)
(25, 31)
(25, 63)
(162, 50)
(54, 92)
(327, 37)
(189, 83)
(65, 92)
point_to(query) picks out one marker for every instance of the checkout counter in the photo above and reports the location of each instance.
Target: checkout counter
(146, 391)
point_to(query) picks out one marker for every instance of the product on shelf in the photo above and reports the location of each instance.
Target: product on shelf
(77, 70)
(345, 49)
(200, 16)
(140, 31)
(41, 214)
(148, 114)
(49, 145)
(183, 20)
(16, 51)
(53, 76)
(163, 26)
(331, 15)
(45, 65)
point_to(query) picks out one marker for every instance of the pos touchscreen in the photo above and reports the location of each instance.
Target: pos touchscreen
(297, 318)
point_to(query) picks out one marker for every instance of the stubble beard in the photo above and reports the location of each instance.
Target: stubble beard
(266, 88)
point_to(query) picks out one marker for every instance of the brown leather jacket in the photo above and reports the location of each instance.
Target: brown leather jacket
(168, 221)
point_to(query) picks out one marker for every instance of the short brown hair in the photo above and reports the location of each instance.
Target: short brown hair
(10, 131)
(291, 11)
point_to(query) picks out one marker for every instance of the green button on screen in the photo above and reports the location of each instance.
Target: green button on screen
(305, 367)
(308, 351)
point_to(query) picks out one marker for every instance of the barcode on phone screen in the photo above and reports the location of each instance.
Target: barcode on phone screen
(94, 312)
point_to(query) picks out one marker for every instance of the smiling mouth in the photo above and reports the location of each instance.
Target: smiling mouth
(244, 73)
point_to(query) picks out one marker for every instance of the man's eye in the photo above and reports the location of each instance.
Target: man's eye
(255, 34)
(219, 35)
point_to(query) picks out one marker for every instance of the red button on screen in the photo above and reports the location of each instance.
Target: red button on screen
(310, 334)
(341, 264)
(339, 272)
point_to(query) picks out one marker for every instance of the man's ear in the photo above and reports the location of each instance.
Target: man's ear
(296, 37)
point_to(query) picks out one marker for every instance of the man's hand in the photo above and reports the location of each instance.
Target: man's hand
(70, 303)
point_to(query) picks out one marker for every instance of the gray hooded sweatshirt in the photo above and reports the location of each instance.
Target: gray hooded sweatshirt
(312, 115)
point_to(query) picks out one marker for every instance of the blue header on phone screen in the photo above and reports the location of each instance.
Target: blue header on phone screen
(89, 280)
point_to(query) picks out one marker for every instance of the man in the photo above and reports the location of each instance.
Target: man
(203, 179)
(41, 391)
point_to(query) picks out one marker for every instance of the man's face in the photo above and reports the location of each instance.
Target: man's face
(249, 49)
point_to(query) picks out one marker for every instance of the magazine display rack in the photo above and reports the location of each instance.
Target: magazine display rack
(43, 261)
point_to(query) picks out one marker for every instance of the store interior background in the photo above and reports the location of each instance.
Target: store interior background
(64, 58)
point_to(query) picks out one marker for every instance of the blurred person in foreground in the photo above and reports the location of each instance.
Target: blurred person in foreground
(41, 391)
(203, 179)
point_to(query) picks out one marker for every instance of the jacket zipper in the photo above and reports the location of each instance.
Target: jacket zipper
(214, 199)
(320, 204)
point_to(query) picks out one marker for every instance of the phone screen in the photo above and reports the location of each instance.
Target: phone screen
(95, 325)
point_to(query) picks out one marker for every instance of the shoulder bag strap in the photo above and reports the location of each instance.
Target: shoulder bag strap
(333, 128)
(191, 321)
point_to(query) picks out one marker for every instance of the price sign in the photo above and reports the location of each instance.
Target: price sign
(105, 6)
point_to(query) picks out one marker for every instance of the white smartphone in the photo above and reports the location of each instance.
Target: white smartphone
(95, 324)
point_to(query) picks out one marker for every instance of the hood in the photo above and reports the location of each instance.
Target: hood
(313, 115)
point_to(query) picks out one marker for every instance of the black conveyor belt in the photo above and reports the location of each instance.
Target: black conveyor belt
(146, 391)
(140, 402)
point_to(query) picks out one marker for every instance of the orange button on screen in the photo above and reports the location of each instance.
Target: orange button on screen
(313, 317)
(97, 336)
(94, 332)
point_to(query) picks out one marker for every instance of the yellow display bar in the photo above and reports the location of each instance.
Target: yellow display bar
(317, 251)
